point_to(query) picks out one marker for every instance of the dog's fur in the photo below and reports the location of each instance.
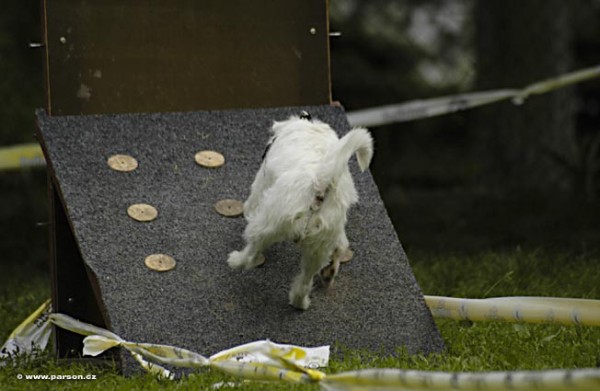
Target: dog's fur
(302, 192)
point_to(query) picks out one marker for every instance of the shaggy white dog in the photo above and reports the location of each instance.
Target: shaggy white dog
(302, 192)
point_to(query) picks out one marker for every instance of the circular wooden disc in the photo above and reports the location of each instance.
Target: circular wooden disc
(260, 261)
(160, 262)
(229, 208)
(210, 159)
(124, 163)
(142, 212)
(346, 256)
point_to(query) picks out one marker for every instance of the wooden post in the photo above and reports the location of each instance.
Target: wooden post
(110, 56)
(74, 288)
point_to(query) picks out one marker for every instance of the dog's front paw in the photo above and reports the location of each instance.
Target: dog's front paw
(302, 302)
(236, 260)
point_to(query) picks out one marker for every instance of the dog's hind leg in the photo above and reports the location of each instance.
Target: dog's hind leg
(312, 262)
(329, 272)
(262, 183)
(256, 241)
(251, 256)
(245, 259)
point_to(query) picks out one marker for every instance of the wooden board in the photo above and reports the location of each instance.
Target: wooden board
(110, 56)
(74, 286)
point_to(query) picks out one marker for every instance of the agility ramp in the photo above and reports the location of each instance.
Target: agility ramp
(162, 57)
(201, 304)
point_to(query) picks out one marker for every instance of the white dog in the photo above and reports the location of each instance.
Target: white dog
(302, 192)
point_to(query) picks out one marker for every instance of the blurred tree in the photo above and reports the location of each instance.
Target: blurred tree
(392, 51)
(21, 71)
(519, 42)
(373, 63)
(22, 193)
(586, 42)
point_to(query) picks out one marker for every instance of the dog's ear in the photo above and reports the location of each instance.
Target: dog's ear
(305, 115)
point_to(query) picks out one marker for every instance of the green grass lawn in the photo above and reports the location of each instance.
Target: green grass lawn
(470, 347)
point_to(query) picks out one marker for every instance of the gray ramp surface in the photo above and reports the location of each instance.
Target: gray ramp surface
(203, 305)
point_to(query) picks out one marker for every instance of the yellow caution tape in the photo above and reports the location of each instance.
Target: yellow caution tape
(268, 361)
(33, 331)
(558, 82)
(278, 365)
(399, 379)
(68, 323)
(261, 372)
(155, 369)
(30, 155)
(578, 312)
(315, 357)
(281, 366)
(419, 109)
(21, 156)
(426, 108)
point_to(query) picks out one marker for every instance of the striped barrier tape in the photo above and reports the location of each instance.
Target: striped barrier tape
(260, 360)
(30, 155)
(569, 312)
(399, 379)
(281, 365)
(420, 109)
(268, 361)
(33, 332)
(21, 156)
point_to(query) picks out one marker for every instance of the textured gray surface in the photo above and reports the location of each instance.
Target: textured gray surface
(203, 305)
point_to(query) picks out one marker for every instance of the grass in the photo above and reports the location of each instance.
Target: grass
(470, 347)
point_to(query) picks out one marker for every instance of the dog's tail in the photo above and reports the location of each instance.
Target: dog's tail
(358, 141)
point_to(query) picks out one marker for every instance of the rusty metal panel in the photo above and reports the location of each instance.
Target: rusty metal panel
(111, 56)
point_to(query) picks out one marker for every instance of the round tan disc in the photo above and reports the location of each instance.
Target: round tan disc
(124, 163)
(142, 212)
(229, 208)
(210, 159)
(260, 261)
(160, 262)
(346, 256)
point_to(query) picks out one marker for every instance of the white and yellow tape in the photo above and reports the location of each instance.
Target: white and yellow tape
(426, 108)
(30, 155)
(34, 332)
(21, 156)
(260, 360)
(282, 363)
(268, 361)
(399, 379)
(570, 312)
